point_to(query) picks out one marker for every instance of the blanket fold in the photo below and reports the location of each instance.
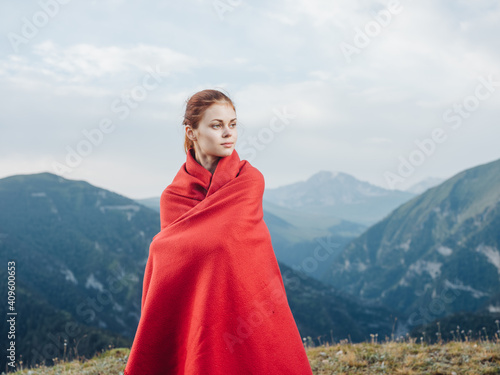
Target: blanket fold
(213, 297)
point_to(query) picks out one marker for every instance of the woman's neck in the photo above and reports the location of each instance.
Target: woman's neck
(209, 162)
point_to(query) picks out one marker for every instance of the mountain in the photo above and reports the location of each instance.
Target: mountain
(493, 304)
(43, 332)
(153, 203)
(80, 253)
(466, 326)
(311, 255)
(322, 311)
(338, 195)
(425, 184)
(435, 255)
(309, 225)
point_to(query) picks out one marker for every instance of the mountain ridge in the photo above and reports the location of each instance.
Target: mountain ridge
(340, 195)
(445, 239)
(81, 252)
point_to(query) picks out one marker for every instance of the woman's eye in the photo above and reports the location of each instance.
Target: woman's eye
(233, 124)
(213, 126)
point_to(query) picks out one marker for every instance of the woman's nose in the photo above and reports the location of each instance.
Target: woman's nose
(227, 131)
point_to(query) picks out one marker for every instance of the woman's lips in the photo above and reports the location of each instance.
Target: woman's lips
(227, 144)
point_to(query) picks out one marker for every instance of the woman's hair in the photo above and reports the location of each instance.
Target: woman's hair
(196, 106)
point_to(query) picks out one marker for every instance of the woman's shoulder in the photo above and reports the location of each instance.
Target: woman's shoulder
(251, 171)
(252, 177)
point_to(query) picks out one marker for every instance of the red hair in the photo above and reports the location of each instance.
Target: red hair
(196, 106)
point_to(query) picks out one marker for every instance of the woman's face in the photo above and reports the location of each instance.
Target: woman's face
(217, 127)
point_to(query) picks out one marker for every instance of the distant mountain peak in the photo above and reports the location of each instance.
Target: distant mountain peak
(340, 194)
(323, 176)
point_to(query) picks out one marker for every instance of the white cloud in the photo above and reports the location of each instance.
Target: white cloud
(84, 63)
(376, 140)
(355, 117)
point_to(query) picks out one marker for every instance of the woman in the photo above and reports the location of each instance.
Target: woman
(213, 298)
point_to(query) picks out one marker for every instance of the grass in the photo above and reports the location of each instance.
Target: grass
(404, 357)
(407, 358)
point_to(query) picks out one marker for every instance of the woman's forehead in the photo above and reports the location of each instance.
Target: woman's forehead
(219, 112)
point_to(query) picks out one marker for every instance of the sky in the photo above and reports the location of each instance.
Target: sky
(391, 92)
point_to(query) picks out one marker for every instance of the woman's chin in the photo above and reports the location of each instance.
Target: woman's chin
(227, 152)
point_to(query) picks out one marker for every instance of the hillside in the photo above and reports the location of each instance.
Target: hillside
(324, 312)
(460, 326)
(434, 255)
(460, 358)
(425, 184)
(80, 253)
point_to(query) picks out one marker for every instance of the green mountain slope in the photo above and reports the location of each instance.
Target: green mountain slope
(78, 249)
(80, 253)
(325, 312)
(434, 255)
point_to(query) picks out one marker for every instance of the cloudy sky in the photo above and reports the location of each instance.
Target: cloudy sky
(391, 92)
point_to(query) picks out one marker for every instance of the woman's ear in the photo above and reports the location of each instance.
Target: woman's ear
(190, 133)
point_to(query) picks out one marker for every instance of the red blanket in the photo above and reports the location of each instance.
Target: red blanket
(213, 298)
